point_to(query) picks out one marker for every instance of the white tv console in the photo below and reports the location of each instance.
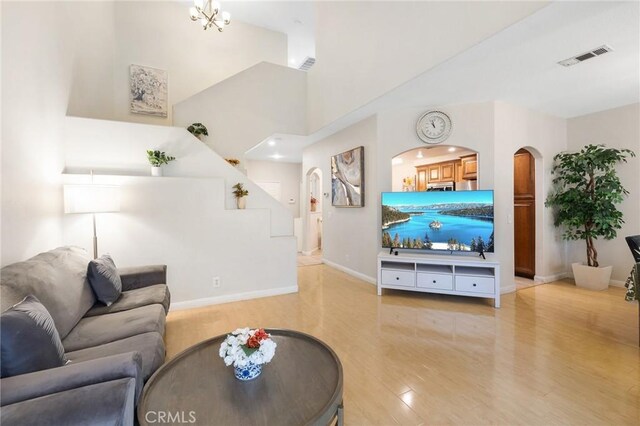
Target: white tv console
(456, 275)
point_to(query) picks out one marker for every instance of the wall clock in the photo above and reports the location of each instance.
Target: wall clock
(434, 127)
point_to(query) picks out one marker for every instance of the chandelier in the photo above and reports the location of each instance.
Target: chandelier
(208, 13)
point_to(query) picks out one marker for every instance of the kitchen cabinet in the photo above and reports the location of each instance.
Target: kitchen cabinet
(470, 167)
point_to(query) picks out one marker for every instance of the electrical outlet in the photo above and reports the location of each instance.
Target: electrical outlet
(216, 282)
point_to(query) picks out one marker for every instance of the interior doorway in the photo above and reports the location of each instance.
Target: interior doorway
(524, 211)
(313, 214)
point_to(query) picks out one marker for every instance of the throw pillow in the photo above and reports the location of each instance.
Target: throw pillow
(29, 339)
(104, 279)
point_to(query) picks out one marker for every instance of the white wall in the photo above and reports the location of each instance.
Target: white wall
(544, 136)
(158, 34)
(245, 109)
(349, 234)
(117, 147)
(288, 175)
(186, 219)
(494, 130)
(360, 58)
(73, 57)
(616, 128)
(36, 74)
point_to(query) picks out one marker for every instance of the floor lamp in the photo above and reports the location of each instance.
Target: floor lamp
(91, 199)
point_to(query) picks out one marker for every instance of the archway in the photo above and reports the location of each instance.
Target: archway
(442, 167)
(312, 210)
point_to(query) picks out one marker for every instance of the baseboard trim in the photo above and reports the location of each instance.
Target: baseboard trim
(616, 283)
(508, 289)
(612, 283)
(351, 272)
(217, 300)
(549, 278)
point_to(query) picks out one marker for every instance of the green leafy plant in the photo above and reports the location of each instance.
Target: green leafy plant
(198, 129)
(239, 191)
(158, 158)
(586, 191)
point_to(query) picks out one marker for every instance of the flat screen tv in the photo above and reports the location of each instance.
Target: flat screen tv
(439, 220)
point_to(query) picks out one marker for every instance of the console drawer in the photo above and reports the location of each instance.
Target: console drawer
(436, 281)
(399, 278)
(475, 284)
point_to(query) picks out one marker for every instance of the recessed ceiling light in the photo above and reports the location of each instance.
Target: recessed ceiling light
(271, 142)
(276, 156)
(292, 61)
(419, 155)
(452, 149)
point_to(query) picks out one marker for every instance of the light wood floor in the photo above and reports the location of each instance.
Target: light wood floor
(553, 354)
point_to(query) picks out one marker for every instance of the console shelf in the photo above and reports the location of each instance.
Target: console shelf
(455, 275)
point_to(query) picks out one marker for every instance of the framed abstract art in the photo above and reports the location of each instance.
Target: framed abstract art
(347, 178)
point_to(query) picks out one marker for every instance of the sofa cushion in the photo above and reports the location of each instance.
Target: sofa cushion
(58, 278)
(104, 279)
(30, 341)
(149, 345)
(101, 329)
(107, 403)
(158, 293)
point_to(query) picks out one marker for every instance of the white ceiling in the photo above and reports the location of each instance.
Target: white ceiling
(294, 18)
(430, 154)
(519, 65)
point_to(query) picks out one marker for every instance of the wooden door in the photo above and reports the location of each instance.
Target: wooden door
(447, 172)
(524, 208)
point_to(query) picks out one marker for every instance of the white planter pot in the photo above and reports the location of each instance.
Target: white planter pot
(156, 171)
(241, 202)
(590, 277)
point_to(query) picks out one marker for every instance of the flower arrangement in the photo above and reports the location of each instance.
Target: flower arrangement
(244, 347)
(407, 181)
(233, 161)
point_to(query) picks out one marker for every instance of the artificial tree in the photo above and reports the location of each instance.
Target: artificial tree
(585, 194)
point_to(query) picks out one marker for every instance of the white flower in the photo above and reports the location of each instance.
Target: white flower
(232, 352)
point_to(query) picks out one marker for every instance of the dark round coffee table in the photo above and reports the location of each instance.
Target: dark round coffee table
(302, 385)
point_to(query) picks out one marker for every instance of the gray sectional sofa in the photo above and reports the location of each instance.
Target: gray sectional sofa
(112, 350)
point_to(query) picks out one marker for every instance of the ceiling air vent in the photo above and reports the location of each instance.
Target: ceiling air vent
(587, 55)
(307, 64)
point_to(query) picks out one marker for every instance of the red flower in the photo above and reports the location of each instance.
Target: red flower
(258, 336)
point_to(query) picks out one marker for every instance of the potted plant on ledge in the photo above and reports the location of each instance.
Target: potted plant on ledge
(586, 191)
(240, 193)
(157, 159)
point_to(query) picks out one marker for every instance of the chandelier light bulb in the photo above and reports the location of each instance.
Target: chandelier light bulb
(226, 17)
(215, 6)
(193, 12)
(204, 22)
(199, 4)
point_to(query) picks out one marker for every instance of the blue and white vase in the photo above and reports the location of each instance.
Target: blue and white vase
(248, 372)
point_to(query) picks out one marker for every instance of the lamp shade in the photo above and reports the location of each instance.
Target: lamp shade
(91, 198)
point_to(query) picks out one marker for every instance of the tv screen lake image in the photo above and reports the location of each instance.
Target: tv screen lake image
(458, 221)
